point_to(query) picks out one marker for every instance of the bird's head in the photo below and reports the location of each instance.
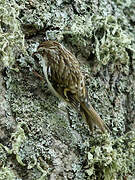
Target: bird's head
(46, 48)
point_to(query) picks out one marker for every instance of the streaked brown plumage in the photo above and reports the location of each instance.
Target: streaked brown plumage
(65, 79)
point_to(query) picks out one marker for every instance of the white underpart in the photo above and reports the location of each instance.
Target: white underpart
(49, 83)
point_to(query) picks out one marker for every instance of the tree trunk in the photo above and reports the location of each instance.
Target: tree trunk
(42, 138)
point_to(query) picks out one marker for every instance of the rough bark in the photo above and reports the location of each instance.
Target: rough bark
(39, 137)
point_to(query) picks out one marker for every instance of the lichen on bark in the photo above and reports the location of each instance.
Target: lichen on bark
(37, 140)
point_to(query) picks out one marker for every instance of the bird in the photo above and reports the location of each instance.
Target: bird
(66, 81)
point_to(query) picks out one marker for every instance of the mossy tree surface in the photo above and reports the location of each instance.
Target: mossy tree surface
(37, 140)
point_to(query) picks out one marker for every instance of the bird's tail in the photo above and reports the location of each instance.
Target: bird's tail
(92, 118)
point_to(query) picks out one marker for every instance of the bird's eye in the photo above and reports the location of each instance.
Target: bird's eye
(41, 51)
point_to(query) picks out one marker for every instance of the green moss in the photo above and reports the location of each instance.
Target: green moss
(3, 156)
(18, 139)
(11, 37)
(101, 33)
(110, 42)
(111, 158)
(7, 173)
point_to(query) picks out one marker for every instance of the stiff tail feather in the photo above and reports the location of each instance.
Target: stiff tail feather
(92, 118)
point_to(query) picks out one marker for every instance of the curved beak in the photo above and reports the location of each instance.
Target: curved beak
(34, 54)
